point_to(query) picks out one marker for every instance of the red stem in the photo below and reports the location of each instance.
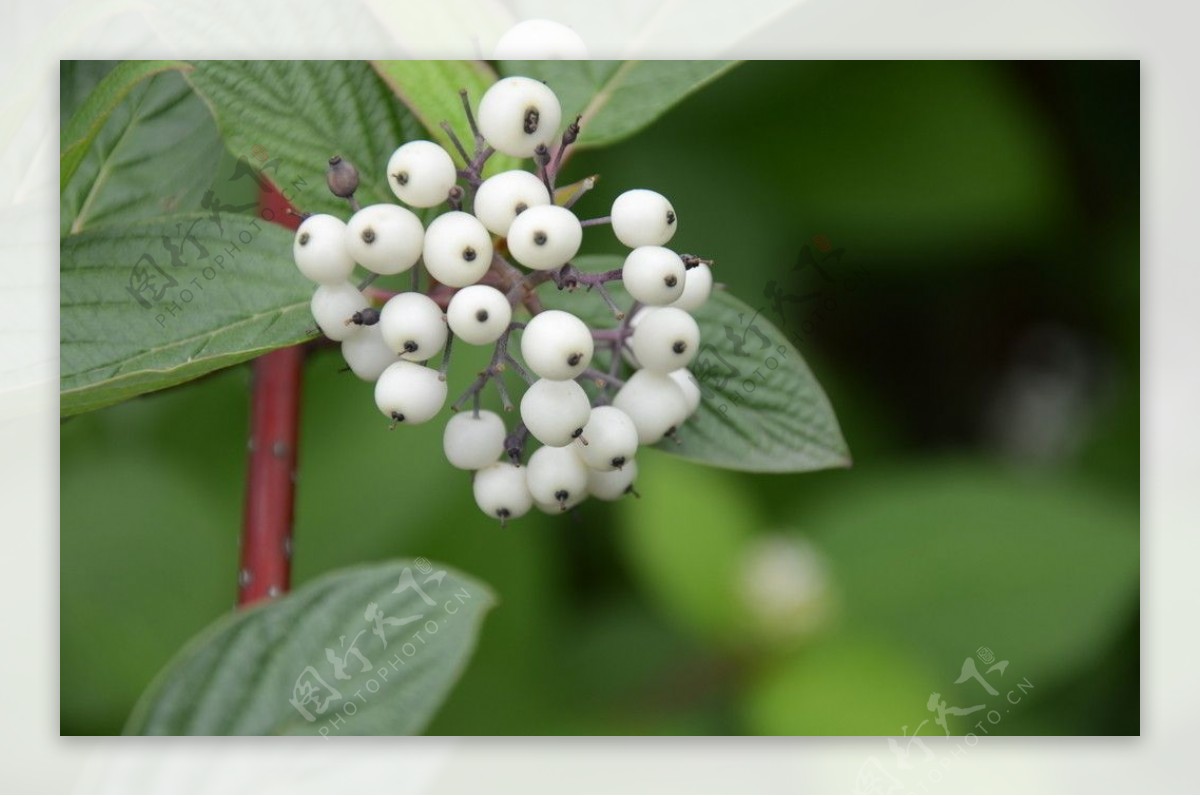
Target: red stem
(270, 487)
(270, 473)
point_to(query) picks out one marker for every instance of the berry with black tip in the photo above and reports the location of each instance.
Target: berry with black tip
(556, 477)
(665, 339)
(517, 114)
(544, 238)
(385, 238)
(319, 249)
(333, 308)
(479, 314)
(557, 345)
(555, 412)
(458, 249)
(412, 325)
(501, 491)
(409, 394)
(421, 174)
(503, 197)
(643, 218)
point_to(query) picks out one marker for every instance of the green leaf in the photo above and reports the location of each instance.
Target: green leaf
(843, 686)
(85, 125)
(946, 559)
(233, 294)
(430, 89)
(695, 583)
(158, 153)
(762, 409)
(370, 650)
(617, 98)
(287, 118)
(76, 82)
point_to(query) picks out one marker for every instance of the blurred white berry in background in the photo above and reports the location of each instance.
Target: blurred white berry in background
(540, 40)
(784, 585)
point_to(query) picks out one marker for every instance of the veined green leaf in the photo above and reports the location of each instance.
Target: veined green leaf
(762, 410)
(370, 650)
(157, 153)
(287, 118)
(87, 122)
(151, 305)
(430, 89)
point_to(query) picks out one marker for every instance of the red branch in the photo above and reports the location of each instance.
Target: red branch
(270, 474)
(270, 490)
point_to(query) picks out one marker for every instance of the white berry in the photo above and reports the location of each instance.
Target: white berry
(458, 249)
(421, 174)
(691, 388)
(473, 442)
(410, 393)
(697, 287)
(479, 314)
(654, 275)
(609, 440)
(555, 412)
(385, 238)
(542, 40)
(502, 198)
(366, 353)
(517, 114)
(556, 476)
(643, 218)
(334, 305)
(654, 402)
(557, 345)
(545, 237)
(501, 491)
(612, 484)
(665, 339)
(412, 325)
(319, 249)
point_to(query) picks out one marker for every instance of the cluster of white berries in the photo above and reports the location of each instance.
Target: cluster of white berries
(588, 443)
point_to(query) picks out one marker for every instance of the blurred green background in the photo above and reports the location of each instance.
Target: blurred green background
(978, 336)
